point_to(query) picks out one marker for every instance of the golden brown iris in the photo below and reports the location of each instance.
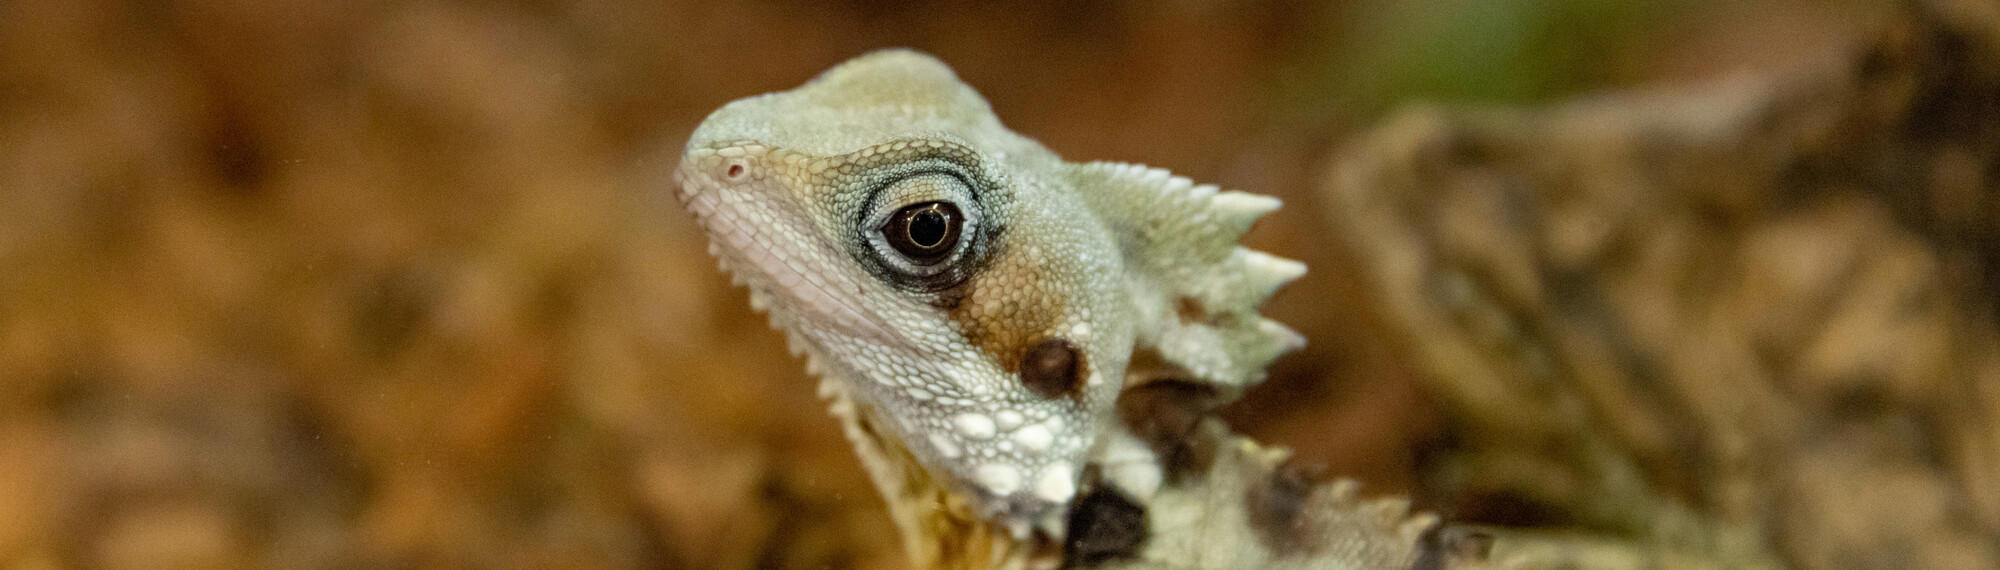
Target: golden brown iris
(925, 233)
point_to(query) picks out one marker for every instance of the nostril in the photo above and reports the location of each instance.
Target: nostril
(735, 171)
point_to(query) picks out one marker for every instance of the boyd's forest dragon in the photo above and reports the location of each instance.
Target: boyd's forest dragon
(1023, 350)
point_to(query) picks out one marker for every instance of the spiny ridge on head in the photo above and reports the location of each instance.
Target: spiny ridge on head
(883, 95)
(895, 76)
(1201, 300)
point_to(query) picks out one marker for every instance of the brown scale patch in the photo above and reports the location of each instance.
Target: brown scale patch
(1147, 365)
(950, 299)
(1053, 368)
(1277, 509)
(1167, 415)
(1104, 526)
(1190, 309)
(1006, 309)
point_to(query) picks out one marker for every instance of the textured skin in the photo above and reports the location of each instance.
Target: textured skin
(1131, 271)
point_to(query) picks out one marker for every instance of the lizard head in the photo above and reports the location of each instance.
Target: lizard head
(974, 303)
(932, 263)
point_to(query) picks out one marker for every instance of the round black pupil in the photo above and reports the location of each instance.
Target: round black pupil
(928, 228)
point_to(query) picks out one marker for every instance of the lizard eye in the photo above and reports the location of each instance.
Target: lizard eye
(921, 229)
(925, 233)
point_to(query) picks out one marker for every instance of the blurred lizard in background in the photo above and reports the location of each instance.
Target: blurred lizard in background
(1749, 324)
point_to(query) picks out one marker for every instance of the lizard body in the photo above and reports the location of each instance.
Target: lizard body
(975, 306)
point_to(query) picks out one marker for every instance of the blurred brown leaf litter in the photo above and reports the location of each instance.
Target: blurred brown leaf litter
(294, 284)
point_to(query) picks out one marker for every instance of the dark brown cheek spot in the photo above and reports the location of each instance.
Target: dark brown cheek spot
(1104, 526)
(1277, 508)
(1167, 415)
(1053, 368)
(1003, 318)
